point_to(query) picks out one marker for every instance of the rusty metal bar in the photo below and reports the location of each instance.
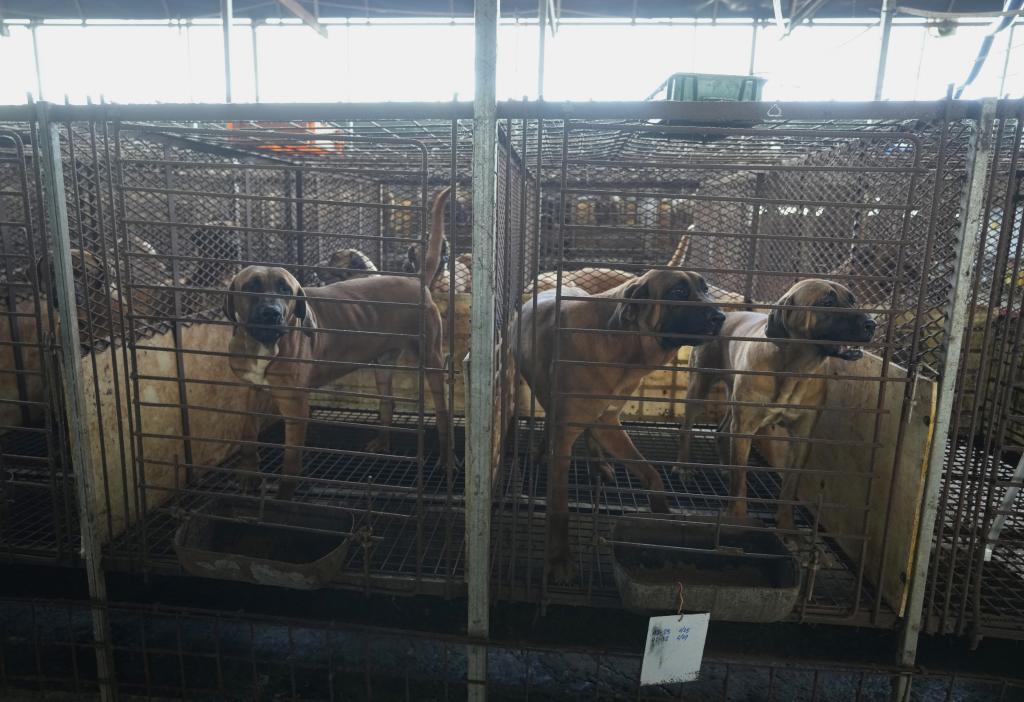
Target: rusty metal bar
(76, 403)
(978, 163)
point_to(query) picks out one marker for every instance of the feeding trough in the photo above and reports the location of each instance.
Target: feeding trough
(734, 572)
(299, 546)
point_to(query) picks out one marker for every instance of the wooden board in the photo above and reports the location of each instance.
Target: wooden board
(899, 476)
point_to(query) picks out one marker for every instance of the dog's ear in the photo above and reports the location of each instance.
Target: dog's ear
(304, 313)
(627, 313)
(776, 328)
(411, 263)
(229, 303)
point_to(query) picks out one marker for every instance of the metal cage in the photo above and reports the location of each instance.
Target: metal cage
(38, 513)
(872, 203)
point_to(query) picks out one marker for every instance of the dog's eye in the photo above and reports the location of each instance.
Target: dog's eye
(703, 285)
(283, 287)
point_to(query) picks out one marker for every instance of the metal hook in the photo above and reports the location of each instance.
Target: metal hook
(680, 610)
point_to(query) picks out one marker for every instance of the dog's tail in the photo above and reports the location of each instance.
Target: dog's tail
(679, 255)
(432, 260)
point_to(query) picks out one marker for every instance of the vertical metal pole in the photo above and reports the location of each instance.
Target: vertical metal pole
(256, 63)
(480, 423)
(226, 16)
(542, 22)
(75, 402)
(1006, 61)
(753, 47)
(35, 59)
(883, 52)
(972, 207)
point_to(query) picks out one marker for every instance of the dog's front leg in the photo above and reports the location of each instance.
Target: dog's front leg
(295, 408)
(559, 556)
(257, 403)
(617, 443)
(796, 459)
(739, 455)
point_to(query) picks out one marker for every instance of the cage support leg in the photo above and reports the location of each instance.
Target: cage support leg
(75, 401)
(978, 162)
(480, 419)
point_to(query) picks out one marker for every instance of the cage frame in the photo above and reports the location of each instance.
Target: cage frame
(48, 116)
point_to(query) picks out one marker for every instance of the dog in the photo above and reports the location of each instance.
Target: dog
(598, 280)
(102, 306)
(835, 325)
(638, 305)
(441, 282)
(281, 330)
(346, 264)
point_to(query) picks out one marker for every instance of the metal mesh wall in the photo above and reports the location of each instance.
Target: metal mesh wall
(37, 509)
(977, 569)
(180, 653)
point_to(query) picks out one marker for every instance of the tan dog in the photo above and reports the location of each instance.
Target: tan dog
(441, 282)
(346, 264)
(834, 325)
(598, 280)
(659, 330)
(283, 342)
(101, 305)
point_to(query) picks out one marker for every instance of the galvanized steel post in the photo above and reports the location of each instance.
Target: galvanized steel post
(883, 50)
(480, 422)
(226, 18)
(972, 209)
(75, 403)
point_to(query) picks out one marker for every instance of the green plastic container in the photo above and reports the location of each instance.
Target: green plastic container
(709, 87)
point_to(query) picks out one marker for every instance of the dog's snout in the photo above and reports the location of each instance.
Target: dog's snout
(869, 326)
(268, 314)
(716, 318)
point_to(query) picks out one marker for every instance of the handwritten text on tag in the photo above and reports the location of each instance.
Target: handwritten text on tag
(675, 647)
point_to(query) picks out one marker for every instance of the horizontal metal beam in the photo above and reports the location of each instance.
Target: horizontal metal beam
(720, 114)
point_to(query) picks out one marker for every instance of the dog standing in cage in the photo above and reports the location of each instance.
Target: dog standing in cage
(814, 321)
(283, 344)
(346, 264)
(599, 280)
(622, 334)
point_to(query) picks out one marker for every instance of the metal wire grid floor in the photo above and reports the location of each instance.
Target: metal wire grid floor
(416, 522)
(1000, 585)
(420, 545)
(38, 517)
(518, 537)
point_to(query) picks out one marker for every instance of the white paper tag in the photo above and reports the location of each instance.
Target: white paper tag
(674, 649)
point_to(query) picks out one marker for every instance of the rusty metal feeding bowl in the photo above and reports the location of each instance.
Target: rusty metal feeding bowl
(299, 546)
(742, 575)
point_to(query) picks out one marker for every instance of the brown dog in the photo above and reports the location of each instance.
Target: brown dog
(441, 282)
(346, 264)
(834, 325)
(638, 306)
(598, 280)
(283, 342)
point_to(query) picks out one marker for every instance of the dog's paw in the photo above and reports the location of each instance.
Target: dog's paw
(684, 473)
(561, 572)
(378, 444)
(603, 472)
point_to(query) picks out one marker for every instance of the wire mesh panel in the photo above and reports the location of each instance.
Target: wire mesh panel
(828, 245)
(194, 230)
(164, 652)
(37, 510)
(977, 569)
